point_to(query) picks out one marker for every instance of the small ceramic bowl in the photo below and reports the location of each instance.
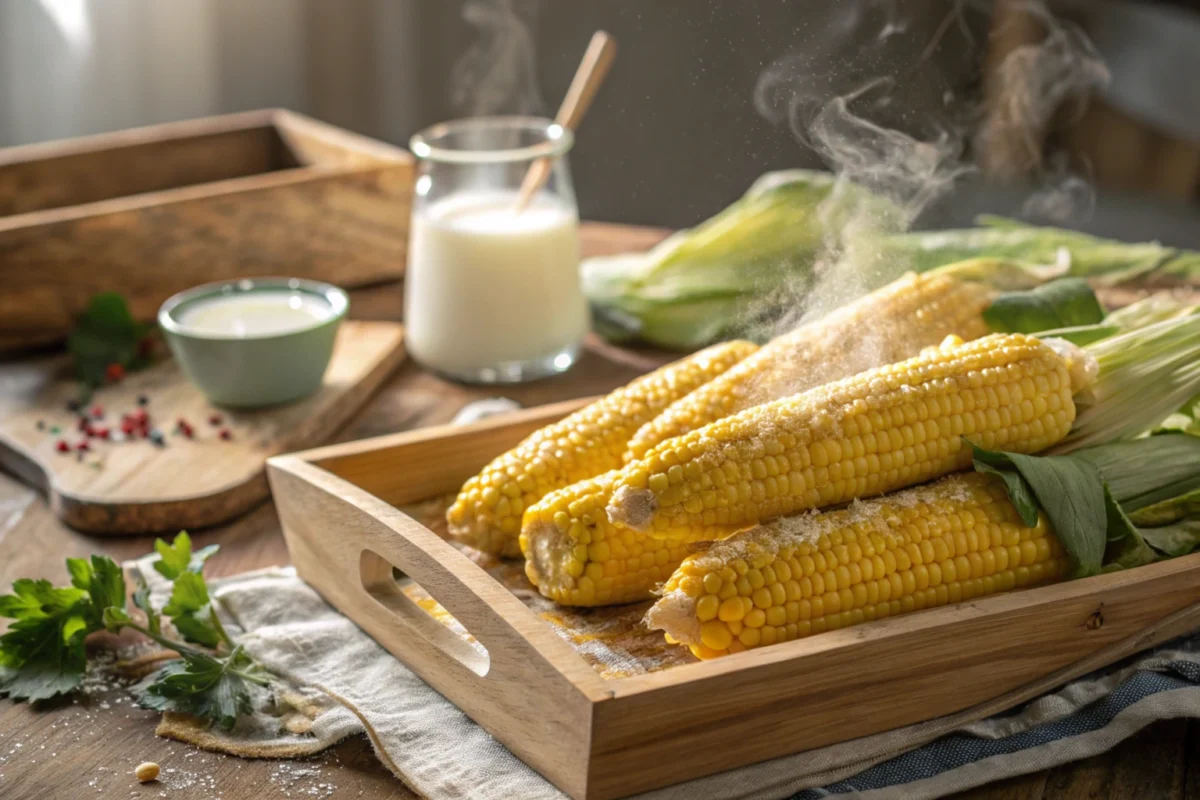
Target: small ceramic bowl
(237, 367)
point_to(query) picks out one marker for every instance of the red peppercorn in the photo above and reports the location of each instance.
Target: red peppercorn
(100, 432)
(83, 446)
(183, 427)
(114, 372)
(226, 434)
(97, 412)
(62, 446)
(214, 419)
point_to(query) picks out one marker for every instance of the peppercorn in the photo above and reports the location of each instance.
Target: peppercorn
(83, 446)
(114, 372)
(156, 436)
(100, 432)
(62, 446)
(142, 400)
(97, 412)
(214, 419)
(226, 434)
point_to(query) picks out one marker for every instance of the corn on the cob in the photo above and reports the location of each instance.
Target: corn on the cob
(878, 431)
(487, 512)
(907, 315)
(576, 557)
(949, 541)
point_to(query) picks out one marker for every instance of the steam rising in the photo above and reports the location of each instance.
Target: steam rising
(498, 73)
(1035, 82)
(847, 93)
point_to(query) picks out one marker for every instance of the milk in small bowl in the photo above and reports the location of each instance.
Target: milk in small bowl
(492, 290)
(256, 341)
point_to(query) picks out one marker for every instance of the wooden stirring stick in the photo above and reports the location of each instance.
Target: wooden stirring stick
(593, 69)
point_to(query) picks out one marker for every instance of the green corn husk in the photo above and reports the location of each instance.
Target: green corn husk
(1108, 262)
(754, 261)
(1144, 376)
(699, 285)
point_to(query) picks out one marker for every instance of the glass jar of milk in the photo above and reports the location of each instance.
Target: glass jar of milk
(492, 291)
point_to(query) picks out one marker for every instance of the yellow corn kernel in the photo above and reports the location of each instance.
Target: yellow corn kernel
(487, 512)
(911, 313)
(943, 514)
(932, 401)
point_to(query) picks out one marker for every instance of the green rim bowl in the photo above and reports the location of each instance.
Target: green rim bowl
(252, 370)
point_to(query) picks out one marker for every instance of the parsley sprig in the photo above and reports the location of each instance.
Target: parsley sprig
(42, 656)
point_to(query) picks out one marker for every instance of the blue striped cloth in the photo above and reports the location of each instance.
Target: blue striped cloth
(1155, 687)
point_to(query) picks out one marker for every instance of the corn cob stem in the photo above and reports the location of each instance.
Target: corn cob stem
(950, 541)
(487, 512)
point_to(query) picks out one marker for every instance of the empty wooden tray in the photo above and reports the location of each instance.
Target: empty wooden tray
(152, 211)
(596, 738)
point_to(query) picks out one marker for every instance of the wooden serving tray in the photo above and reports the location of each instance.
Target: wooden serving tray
(136, 486)
(153, 211)
(598, 739)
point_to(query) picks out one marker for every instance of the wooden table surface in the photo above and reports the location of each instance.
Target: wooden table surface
(89, 747)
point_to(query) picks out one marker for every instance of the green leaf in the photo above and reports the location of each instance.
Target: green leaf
(1019, 490)
(105, 334)
(107, 586)
(189, 610)
(1177, 539)
(38, 599)
(43, 679)
(41, 654)
(81, 573)
(201, 685)
(1064, 303)
(1126, 548)
(189, 593)
(174, 558)
(196, 628)
(1071, 493)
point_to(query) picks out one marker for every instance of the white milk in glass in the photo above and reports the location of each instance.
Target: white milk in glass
(488, 286)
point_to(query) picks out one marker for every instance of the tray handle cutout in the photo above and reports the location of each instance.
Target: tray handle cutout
(380, 582)
(345, 542)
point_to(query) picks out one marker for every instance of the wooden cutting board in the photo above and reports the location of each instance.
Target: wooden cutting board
(135, 486)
